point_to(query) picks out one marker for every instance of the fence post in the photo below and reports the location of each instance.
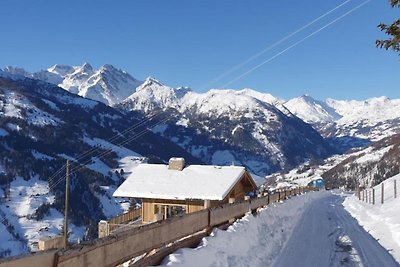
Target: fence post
(373, 196)
(104, 229)
(395, 189)
(362, 195)
(358, 193)
(382, 193)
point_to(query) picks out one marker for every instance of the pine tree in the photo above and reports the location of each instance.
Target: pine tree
(393, 30)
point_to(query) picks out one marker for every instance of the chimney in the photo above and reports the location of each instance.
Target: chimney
(176, 164)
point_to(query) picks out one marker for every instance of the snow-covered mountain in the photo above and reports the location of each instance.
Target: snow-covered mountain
(371, 119)
(367, 167)
(107, 84)
(42, 125)
(230, 127)
(312, 111)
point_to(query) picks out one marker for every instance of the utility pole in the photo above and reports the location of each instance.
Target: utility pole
(66, 206)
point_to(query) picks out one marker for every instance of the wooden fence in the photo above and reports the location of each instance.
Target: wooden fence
(129, 216)
(125, 245)
(372, 195)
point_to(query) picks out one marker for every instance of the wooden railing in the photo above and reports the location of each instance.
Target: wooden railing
(125, 245)
(119, 220)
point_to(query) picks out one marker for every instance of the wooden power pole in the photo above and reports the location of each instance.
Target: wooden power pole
(66, 206)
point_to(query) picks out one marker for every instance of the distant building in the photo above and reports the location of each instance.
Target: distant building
(167, 190)
(317, 182)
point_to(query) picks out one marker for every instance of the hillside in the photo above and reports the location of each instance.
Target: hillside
(226, 127)
(349, 123)
(41, 126)
(367, 167)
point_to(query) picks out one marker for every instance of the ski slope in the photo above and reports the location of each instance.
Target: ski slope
(309, 230)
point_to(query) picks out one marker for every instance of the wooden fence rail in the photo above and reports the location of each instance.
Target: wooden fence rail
(125, 245)
(129, 216)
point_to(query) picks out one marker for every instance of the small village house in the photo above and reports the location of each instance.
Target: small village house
(167, 190)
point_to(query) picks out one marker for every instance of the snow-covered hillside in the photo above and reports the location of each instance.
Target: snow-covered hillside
(227, 127)
(380, 220)
(348, 123)
(42, 125)
(311, 110)
(371, 119)
(368, 166)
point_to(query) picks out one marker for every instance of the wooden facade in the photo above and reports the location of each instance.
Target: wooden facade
(159, 209)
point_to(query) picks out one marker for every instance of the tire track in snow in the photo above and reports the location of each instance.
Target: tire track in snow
(327, 235)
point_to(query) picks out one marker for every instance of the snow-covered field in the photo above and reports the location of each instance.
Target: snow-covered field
(382, 221)
(309, 230)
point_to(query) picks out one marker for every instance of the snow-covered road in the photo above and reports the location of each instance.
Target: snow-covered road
(327, 235)
(309, 230)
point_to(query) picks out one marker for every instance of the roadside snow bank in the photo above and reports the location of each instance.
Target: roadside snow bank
(382, 221)
(250, 241)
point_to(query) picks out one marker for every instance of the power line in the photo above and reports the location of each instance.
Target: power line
(95, 149)
(229, 71)
(296, 43)
(130, 139)
(268, 48)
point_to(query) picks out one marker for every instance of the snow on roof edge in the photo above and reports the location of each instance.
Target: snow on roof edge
(124, 191)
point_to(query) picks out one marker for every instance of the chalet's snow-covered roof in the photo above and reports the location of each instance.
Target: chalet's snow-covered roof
(193, 182)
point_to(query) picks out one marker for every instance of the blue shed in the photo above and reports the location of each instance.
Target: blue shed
(317, 182)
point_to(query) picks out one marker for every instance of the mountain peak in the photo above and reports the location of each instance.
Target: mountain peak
(60, 69)
(311, 110)
(307, 98)
(86, 67)
(110, 68)
(151, 81)
(16, 71)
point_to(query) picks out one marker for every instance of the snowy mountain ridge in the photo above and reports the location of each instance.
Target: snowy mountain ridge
(107, 84)
(332, 118)
(346, 123)
(371, 119)
(227, 126)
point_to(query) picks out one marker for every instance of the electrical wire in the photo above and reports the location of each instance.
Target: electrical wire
(295, 44)
(268, 48)
(101, 155)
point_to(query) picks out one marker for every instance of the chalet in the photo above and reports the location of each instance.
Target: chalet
(167, 190)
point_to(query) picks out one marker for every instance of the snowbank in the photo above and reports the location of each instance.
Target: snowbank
(250, 241)
(382, 221)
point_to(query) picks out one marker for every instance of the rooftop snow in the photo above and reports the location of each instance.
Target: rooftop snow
(193, 182)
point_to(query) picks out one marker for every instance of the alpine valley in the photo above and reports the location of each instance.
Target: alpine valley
(105, 122)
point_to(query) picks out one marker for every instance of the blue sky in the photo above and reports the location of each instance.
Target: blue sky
(190, 43)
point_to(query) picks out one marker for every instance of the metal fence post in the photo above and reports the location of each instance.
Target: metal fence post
(373, 196)
(382, 193)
